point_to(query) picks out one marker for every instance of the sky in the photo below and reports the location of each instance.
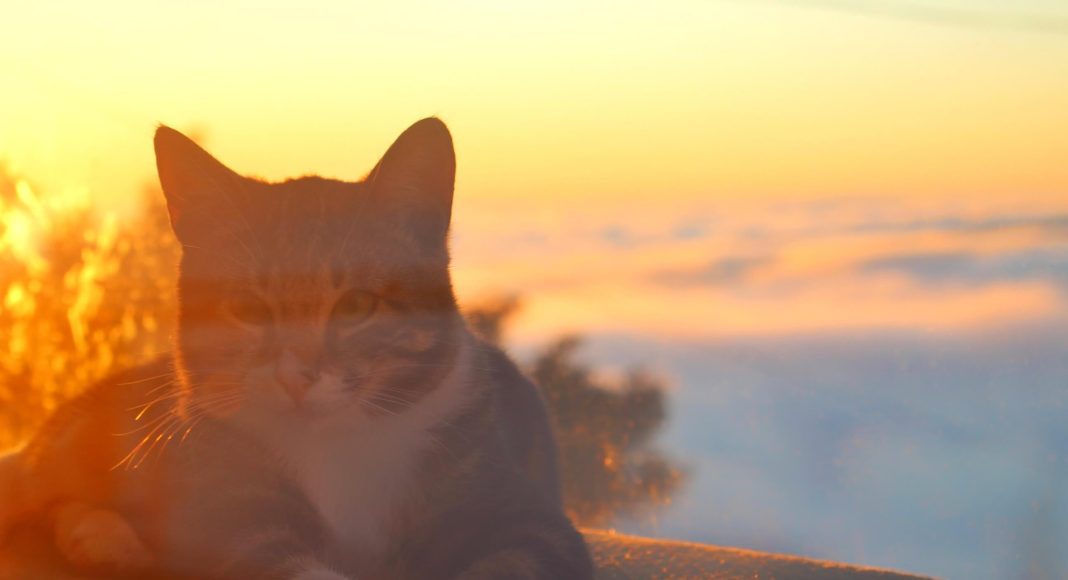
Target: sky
(561, 101)
(839, 228)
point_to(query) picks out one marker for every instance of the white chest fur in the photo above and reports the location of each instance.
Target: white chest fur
(359, 472)
(357, 479)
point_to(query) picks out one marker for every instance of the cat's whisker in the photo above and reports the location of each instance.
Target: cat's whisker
(440, 445)
(379, 408)
(165, 385)
(189, 429)
(155, 441)
(187, 425)
(390, 398)
(149, 425)
(146, 379)
(213, 401)
(167, 420)
(160, 438)
(128, 459)
(144, 408)
(398, 405)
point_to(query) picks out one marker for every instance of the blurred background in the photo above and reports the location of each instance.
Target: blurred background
(795, 272)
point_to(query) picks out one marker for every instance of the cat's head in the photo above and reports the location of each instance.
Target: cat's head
(313, 296)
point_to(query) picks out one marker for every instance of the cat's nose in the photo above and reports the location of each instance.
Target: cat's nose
(294, 374)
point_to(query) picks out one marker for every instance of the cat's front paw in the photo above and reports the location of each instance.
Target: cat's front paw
(99, 538)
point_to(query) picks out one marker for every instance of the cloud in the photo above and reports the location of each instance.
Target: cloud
(774, 268)
(721, 271)
(1057, 223)
(891, 302)
(966, 268)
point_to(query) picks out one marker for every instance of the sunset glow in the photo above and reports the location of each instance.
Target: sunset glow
(549, 101)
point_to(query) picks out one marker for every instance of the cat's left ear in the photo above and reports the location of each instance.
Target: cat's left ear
(416, 178)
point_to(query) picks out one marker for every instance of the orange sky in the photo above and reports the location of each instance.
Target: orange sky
(550, 100)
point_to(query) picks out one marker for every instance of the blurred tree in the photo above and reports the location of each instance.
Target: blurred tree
(82, 293)
(604, 427)
(488, 319)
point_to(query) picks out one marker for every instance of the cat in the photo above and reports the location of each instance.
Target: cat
(326, 412)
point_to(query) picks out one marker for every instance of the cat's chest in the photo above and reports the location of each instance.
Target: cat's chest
(363, 476)
(358, 482)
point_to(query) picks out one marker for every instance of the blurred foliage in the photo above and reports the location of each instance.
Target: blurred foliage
(604, 426)
(82, 293)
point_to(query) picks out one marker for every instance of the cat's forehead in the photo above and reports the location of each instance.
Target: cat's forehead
(308, 210)
(313, 229)
(312, 197)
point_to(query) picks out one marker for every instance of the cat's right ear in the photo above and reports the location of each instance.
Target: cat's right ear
(193, 181)
(415, 180)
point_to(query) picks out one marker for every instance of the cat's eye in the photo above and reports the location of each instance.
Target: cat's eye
(353, 308)
(248, 307)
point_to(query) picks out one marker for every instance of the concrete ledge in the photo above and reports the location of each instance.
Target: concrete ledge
(621, 557)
